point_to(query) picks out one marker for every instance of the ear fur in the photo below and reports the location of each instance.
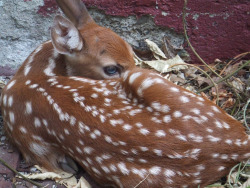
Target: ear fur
(76, 12)
(65, 36)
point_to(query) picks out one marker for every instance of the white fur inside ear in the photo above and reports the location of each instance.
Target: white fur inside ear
(74, 41)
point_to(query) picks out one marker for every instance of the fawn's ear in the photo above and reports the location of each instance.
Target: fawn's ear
(65, 36)
(76, 11)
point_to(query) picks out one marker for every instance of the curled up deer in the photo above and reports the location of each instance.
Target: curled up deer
(80, 99)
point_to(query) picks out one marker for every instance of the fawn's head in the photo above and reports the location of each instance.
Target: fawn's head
(89, 49)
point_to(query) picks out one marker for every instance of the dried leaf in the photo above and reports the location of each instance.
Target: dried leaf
(191, 88)
(138, 61)
(175, 78)
(228, 103)
(158, 54)
(246, 184)
(43, 176)
(163, 66)
(191, 72)
(201, 80)
(61, 177)
(238, 84)
(82, 184)
(168, 48)
(2, 84)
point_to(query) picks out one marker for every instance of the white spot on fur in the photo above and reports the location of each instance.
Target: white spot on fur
(213, 139)
(157, 152)
(148, 82)
(38, 149)
(94, 95)
(134, 76)
(10, 101)
(160, 133)
(215, 109)
(123, 168)
(127, 127)
(234, 156)
(195, 111)
(174, 89)
(211, 114)
(225, 125)
(12, 117)
(167, 119)
(108, 139)
(169, 173)
(155, 170)
(10, 84)
(228, 141)
(218, 124)
(184, 99)
(23, 130)
(134, 112)
(30, 60)
(45, 122)
(144, 131)
(181, 137)
(88, 150)
(159, 107)
(177, 114)
(49, 70)
(221, 168)
(28, 108)
(37, 122)
(66, 131)
(5, 100)
(195, 138)
(144, 148)
(27, 82)
(37, 138)
(215, 155)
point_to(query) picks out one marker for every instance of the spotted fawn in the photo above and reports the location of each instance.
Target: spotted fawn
(80, 98)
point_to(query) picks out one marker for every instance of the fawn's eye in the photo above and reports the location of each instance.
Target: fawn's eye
(111, 70)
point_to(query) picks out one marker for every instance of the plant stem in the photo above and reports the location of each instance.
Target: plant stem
(19, 174)
(226, 77)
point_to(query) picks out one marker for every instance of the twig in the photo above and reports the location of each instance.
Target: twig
(226, 77)
(244, 114)
(236, 58)
(19, 174)
(229, 176)
(141, 181)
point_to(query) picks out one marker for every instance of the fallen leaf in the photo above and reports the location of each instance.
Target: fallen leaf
(176, 79)
(158, 54)
(61, 177)
(228, 103)
(2, 84)
(44, 175)
(203, 80)
(82, 183)
(164, 66)
(138, 61)
(246, 184)
(168, 48)
(238, 84)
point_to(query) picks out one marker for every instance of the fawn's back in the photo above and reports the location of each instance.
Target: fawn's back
(137, 129)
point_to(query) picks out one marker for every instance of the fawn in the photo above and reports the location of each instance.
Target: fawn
(126, 126)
